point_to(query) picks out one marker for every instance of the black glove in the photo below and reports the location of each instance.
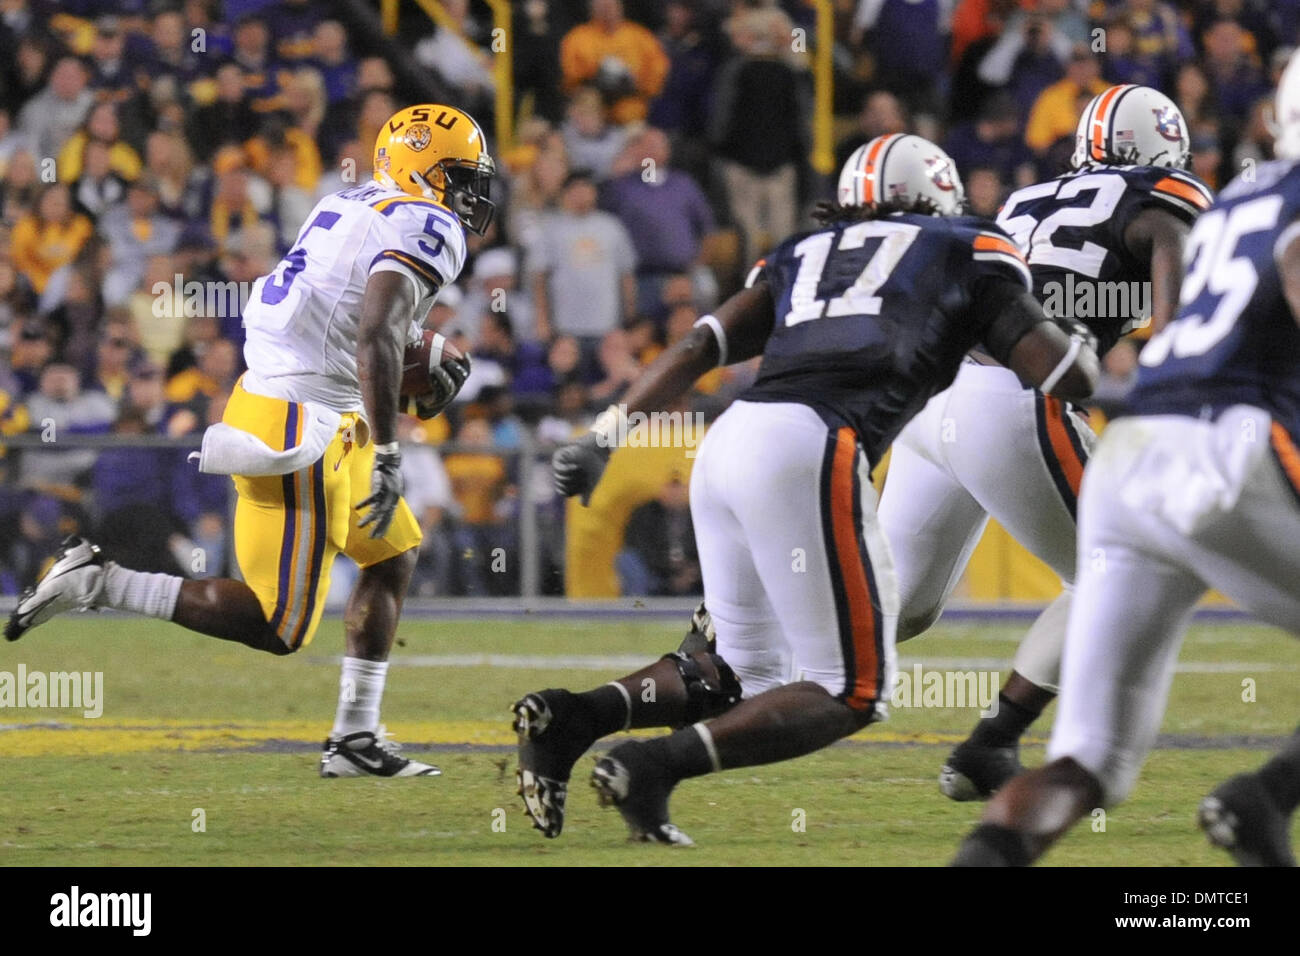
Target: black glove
(579, 465)
(385, 492)
(448, 380)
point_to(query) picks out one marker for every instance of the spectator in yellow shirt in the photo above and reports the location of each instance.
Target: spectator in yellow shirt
(215, 374)
(478, 477)
(621, 59)
(50, 237)
(1055, 113)
(101, 125)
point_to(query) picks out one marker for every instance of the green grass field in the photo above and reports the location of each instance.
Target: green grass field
(191, 724)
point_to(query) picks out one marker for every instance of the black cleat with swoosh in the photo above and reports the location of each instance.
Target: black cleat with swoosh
(365, 754)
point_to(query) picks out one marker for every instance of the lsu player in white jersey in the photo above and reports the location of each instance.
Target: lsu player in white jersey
(310, 431)
(989, 446)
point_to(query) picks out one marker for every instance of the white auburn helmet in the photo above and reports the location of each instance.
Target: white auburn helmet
(1130, 125)
(1286, 112)
(898, 169)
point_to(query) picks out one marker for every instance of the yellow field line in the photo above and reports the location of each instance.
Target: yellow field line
(104, 737)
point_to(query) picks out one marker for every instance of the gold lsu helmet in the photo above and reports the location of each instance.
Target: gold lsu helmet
(438, 152)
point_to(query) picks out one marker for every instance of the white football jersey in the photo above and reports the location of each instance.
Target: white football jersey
(302, 320)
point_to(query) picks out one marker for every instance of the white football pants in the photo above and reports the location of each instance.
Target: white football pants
(1171, 506)
(986, 446)
(797, 575)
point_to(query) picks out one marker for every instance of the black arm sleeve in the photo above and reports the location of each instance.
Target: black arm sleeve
(1014, 312)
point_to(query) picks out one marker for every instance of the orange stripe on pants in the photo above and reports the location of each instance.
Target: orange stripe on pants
(1287, 454)
(1062, 447)
(857, 591)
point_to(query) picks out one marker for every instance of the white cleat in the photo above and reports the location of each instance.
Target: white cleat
(365, 754)
(73, 582)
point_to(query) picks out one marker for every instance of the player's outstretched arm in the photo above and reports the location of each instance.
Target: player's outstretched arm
(736, 331)
(743, 324)
(1057, 356)
(1158, 237)
(386, 311)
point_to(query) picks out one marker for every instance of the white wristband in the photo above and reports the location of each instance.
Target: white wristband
(610, 427)
(391, 448)
(1049, 383)
(715, 326)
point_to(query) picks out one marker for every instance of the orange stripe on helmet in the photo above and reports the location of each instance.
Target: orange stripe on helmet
(1097, 135)
(869, 168)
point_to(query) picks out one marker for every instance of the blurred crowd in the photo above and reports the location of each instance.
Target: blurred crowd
(157, 157)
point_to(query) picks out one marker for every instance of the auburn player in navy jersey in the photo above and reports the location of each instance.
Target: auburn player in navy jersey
(1199, 490)
(1096, 239)
(858, 324)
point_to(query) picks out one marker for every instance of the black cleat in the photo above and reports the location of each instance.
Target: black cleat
(973, 772)
(367, 754)
(549, 746)
(630, 778)
(1239, 816)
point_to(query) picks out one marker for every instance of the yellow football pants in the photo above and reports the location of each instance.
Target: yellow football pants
(288, 528)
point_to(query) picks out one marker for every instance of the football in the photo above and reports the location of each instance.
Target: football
(421, 358)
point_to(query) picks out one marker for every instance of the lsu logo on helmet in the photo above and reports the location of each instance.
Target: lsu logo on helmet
(418, 137)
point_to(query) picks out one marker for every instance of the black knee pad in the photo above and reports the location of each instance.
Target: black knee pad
(704, 698)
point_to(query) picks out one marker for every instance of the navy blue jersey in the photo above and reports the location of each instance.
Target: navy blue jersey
(1235, 340)
(872, 318)
(1071, 230)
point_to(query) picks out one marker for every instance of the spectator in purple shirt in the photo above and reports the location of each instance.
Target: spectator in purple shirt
(330, 56)
(665, 213)
(695, 49)
(909, 40)
(1123, 62)
(166, 51)
(993, 140)
(1235, 78)
(292, 23)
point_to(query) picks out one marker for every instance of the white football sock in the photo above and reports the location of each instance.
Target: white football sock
(361, 685)
(153, 595)
(1038, 659)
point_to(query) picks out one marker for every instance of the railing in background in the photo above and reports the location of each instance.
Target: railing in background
(823, 150)
(525, 457)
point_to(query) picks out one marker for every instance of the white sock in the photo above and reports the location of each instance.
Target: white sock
(153, 595)
(361, 685)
